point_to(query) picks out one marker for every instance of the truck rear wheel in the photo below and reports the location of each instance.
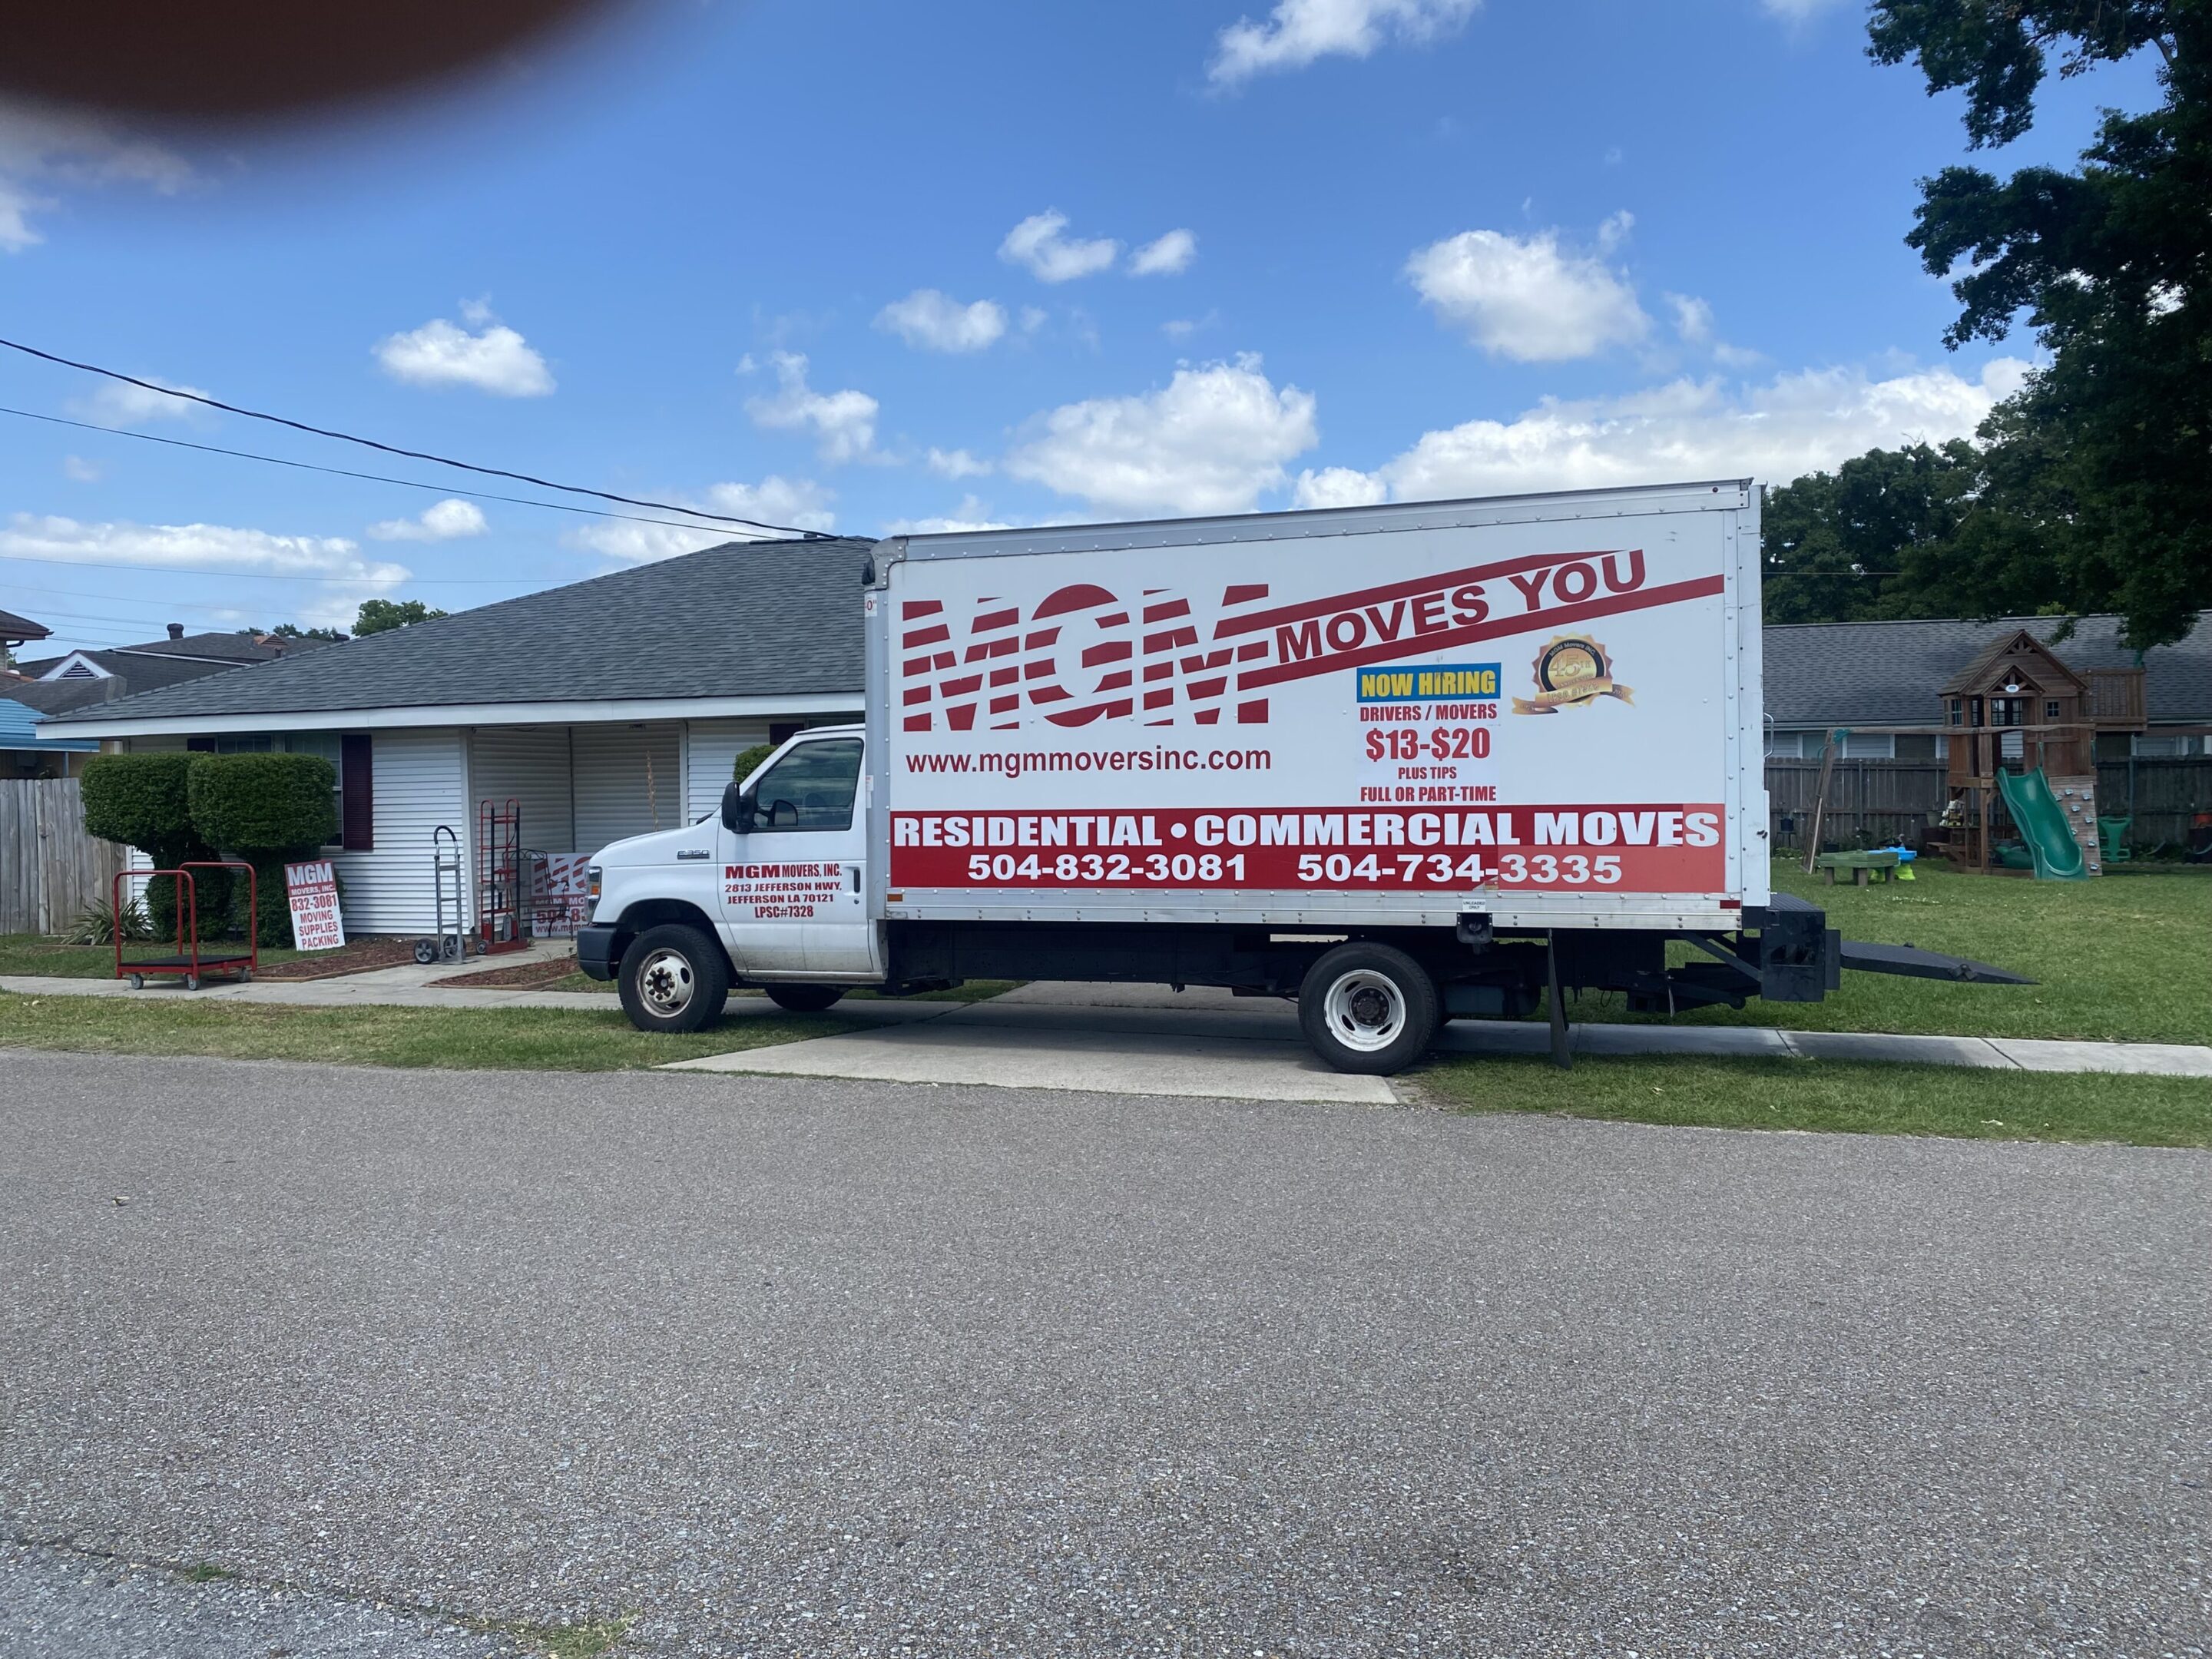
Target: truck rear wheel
(1368, 1008)
(674, 978)
(803, 999)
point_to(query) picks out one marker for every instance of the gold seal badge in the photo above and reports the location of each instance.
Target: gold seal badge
(1572, 672)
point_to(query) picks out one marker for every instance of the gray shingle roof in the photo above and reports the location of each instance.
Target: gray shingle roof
(744, 619)
(1888, 673)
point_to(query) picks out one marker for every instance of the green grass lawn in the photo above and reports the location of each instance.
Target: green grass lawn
(466, 1039)
(30, 953)
(1835, 1096)
(2123, 958)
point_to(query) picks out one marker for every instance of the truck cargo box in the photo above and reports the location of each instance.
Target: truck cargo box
(1540, 710)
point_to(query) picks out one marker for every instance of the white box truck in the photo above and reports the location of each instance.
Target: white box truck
(1401, 762)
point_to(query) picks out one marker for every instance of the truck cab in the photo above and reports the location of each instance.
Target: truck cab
(769, 891)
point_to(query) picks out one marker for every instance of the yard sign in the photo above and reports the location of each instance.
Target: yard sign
(312, 889)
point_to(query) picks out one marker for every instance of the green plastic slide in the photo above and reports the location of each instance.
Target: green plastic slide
(2042, 826)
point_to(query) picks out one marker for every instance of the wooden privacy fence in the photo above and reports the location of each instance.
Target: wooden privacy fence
(1879, 802)
(50, 869)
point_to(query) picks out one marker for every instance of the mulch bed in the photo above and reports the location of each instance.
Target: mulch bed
(522, 975)
(359, 956)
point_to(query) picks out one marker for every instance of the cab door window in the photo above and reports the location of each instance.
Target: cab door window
(811, 788)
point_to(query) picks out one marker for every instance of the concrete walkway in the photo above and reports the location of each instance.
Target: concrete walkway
(1149, 1040)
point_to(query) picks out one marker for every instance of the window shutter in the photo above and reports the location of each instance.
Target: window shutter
(356, 790)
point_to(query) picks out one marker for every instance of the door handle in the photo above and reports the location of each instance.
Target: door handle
(856, 877)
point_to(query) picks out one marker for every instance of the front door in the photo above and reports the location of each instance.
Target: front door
(792, 885)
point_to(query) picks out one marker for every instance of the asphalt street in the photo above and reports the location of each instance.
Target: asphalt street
(788, 1366)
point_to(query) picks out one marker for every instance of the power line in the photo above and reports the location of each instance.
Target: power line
(410, 454)
(261, 575)
(373, 478)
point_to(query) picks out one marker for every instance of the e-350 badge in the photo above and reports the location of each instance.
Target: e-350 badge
(1571, 672)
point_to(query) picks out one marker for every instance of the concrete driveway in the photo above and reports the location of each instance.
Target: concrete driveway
(781, 1366)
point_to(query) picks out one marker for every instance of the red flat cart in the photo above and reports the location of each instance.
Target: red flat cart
(135, 959)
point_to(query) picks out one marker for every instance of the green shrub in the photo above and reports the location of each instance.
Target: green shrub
(749, 759)
(263, 803)
(144, 801)
(269, 810)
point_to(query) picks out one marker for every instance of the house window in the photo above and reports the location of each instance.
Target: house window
(2051, 708)
(1957, 711)
(325, 744)
(1869, 745)
(1919, 746)
(2155, 746)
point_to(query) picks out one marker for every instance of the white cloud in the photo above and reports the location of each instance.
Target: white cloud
(1525, 298)
(494, 359)
(1037, 245)
(349, 578)
(1170, 256)
(112, 404)
(1032, 319)
(1612, 230)
(844, 422)
(1209, 441)
(1297, 32)
(81, 470)
(1807, 421)
(956, 464)
(970, 515)
(930, 321)
(1181, 328)
(1339, 486)
(441, 521)
(50, 146)
(799, 502)
(1693, 319)
(1797, 11)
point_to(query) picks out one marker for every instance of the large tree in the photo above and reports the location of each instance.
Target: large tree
(2099, 474)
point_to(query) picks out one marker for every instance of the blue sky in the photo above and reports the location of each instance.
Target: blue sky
(878, 266)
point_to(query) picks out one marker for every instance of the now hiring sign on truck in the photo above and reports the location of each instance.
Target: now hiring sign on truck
(1408, 711)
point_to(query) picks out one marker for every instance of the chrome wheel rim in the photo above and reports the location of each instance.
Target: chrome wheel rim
(1364, 1010)
(664, 982)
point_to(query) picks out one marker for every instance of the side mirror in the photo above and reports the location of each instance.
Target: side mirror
(737, 809)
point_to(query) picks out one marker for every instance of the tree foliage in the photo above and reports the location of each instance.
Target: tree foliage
(382, 616)
(2096, 491)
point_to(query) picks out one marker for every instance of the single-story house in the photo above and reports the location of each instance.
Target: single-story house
(1889, 676)
(604, 709)
(27, 752)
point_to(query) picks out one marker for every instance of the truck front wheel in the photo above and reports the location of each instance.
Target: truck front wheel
(674, 978)
(1368, 1008)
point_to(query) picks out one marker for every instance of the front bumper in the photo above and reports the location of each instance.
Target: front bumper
(597, 953)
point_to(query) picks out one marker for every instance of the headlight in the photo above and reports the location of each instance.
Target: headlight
(592, 884)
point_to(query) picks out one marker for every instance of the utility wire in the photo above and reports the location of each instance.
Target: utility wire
(373, 478)
(265, 576)
(410, 454)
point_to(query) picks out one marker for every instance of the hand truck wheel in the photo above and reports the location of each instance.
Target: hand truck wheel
(192, 982)
(138, 981)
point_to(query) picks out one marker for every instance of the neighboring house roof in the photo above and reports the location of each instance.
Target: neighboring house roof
(125, 675)
(1891, 673)
(19, 730)
(761, 619)
(22, 629)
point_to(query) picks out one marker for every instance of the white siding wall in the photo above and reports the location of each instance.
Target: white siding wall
(420, 781)
(629, 781)
(528, 764)
(716, 746)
